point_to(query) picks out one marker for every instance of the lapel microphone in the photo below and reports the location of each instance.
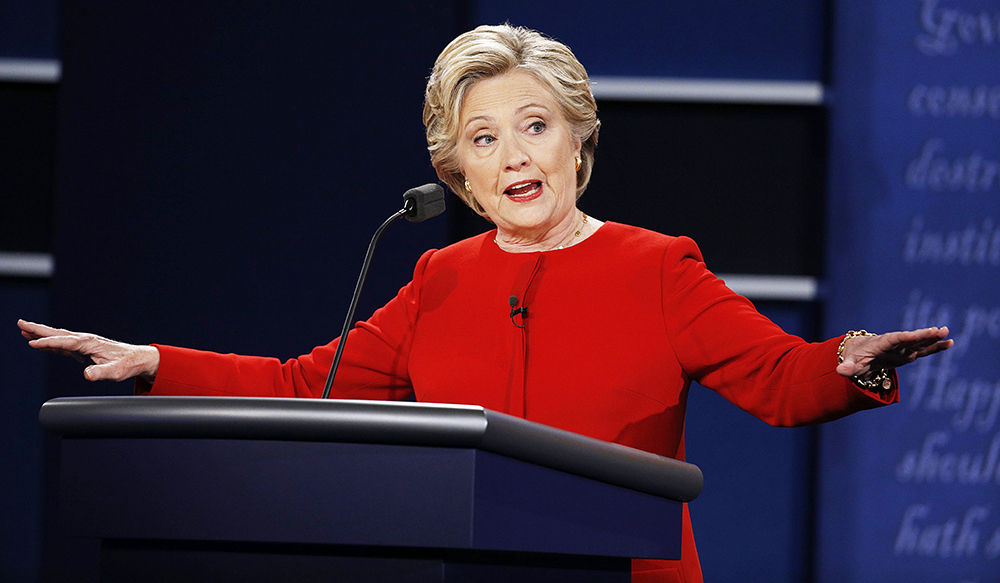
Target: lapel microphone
(515, 311)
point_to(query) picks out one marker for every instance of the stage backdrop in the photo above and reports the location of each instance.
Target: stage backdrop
(912, 493)
(222, 169)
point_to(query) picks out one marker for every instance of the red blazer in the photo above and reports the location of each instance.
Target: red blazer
(617, 328)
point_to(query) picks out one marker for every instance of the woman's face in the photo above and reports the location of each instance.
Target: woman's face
(518, 154)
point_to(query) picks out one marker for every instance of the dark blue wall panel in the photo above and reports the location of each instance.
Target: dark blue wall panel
(28, 122)
(224, 165)
(773, 39)
(22, 376)
(28, 29)
(223, 168)
(754, 519)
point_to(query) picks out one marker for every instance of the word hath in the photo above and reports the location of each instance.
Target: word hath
(952, 538)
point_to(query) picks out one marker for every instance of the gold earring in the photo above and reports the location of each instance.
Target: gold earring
(468, 187)
(579, 163)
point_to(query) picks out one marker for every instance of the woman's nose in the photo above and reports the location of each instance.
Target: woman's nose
(515, 156)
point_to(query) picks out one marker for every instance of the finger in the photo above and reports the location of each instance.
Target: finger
(906, 355)
(847, 369)
(104, 372)
(925, 343)
(913, 339)
(936, 347)
(27, 329)
(67, 343)
(94, 372)
(851, 366)
(933, 333)
(919, 345)
(41, 329)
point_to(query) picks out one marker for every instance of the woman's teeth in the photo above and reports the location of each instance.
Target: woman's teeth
(523, 189)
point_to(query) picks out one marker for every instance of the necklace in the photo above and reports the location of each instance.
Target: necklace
(583, 225)
(567, 242)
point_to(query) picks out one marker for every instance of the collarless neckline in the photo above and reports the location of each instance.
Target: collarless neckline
(491, 241)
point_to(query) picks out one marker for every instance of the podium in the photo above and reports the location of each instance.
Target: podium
(248, 489)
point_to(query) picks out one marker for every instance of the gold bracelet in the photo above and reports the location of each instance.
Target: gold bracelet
(880, 381)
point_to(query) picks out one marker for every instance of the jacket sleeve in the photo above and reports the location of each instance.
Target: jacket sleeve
(725, 344)
(373, 366)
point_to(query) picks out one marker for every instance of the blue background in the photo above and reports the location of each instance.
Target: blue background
(875, 137)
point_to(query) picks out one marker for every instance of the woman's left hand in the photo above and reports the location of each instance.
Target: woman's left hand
(864, 355)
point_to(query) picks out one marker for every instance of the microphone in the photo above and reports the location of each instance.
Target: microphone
(424, 202)
(515, 311)
(419, 204)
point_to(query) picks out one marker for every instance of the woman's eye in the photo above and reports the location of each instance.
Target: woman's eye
(483, 140)
(537, 127)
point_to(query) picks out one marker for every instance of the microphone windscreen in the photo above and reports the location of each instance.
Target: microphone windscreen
(428, 201)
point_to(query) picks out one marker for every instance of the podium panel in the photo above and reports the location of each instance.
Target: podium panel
(188, 508)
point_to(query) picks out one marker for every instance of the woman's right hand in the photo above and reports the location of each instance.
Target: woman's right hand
(108, 359)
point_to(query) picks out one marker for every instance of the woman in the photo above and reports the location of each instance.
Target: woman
(620, 320)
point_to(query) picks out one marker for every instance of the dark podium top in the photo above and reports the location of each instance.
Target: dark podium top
(376, 422)
(183, 488)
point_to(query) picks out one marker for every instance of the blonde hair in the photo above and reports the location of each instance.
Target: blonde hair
(490, 51)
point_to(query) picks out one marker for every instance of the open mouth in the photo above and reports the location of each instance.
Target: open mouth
(524, 191)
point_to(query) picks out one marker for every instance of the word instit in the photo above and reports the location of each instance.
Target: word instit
(973, 245)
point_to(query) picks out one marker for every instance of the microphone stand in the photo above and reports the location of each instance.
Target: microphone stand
(409, 206)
